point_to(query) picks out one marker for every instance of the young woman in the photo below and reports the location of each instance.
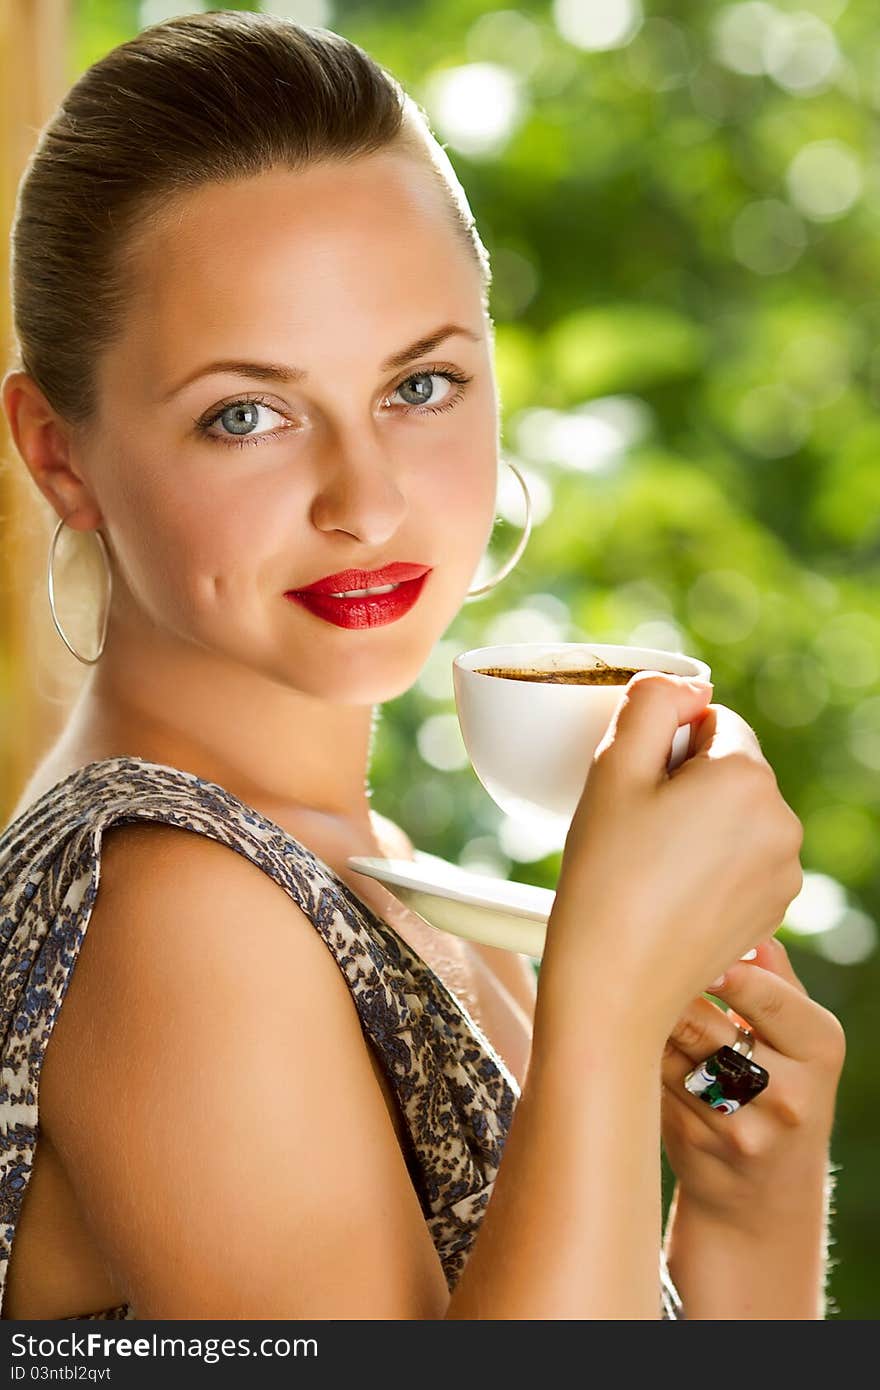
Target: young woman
(254, 353)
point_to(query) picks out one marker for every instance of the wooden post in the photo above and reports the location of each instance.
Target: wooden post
(36, 680)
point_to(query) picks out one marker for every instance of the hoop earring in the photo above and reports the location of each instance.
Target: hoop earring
(86, 660)
(523, 541)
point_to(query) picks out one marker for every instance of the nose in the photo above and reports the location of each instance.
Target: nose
(360, 494)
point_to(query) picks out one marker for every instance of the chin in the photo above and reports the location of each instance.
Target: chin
(345, 679)
(362, 695)
(370, 665)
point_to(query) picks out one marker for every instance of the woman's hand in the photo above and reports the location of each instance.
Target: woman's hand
(742, 1169)
(668, 877)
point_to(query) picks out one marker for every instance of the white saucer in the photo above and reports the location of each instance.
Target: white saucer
(493, 911)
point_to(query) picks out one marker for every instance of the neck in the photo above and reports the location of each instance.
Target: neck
(271, 746)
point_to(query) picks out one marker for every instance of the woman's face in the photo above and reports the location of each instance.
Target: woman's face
(221, 490)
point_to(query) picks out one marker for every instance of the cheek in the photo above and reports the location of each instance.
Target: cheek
(481, 481)
(462, 484)
(181, 552)
(477, 504)
(467, 487)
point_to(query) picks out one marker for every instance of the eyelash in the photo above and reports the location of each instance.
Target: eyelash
(247, 441)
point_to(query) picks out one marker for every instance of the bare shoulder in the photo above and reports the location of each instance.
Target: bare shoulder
(214, 1103)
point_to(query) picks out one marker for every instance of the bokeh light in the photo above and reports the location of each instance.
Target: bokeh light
(483, 855)
(427, 808)
(435, 678)
(476, 107)
(440, 743)
(824, 180)
(658, 633)
(508, 37)
(851, 941)
(662, 56)
(740, 36)
(590, 438)
(526, 624)
(597, 25)
(154, 11)
(772, 421)
(801, 53)
(768, 236)
(791, 689)
(314, 13)
(864, 738)
(850, 646)
(797, 50)
(818, 907)
(528, 840)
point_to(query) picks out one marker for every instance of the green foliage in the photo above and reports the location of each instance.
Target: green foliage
(625, 347)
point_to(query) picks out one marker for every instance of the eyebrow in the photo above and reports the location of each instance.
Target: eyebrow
(277, 371)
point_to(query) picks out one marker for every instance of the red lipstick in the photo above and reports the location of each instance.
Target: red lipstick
(363, 610)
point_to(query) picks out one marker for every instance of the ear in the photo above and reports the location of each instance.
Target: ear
(45, 443)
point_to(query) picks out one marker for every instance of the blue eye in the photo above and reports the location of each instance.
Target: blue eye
(239, 416)
(445, 402)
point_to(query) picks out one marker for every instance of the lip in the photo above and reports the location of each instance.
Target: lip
(397, 573)
(367, 611)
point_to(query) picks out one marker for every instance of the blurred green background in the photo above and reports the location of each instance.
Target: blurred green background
(681, 204)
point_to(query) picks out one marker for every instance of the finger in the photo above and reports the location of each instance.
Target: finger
(738, 1021)
(772, 955)
(781, 1013)
(654, 706)
(727, 733)
(703, 733)
(699, 1125)
(699, 731)
(703, 1027)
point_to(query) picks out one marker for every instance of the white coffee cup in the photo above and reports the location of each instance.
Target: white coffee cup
(531, 742)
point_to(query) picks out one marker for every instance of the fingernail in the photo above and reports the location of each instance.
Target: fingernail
(750, 955)
(717, 983)
(700, 686)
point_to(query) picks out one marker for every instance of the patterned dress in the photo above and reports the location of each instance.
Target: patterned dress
(448, 1081)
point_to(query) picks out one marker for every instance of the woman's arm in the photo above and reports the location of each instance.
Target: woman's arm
(748, 1231)
(573, 1227)
(220, 1119)
(562, 1186)
(212, 1097)
(772, 1266)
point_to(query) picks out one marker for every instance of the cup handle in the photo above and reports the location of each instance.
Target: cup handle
(680, 745)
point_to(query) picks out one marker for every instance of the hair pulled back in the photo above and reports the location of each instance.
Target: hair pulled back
(200, 98)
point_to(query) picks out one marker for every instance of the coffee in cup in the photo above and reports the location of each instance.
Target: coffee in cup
(531, 732)
(590, 675)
